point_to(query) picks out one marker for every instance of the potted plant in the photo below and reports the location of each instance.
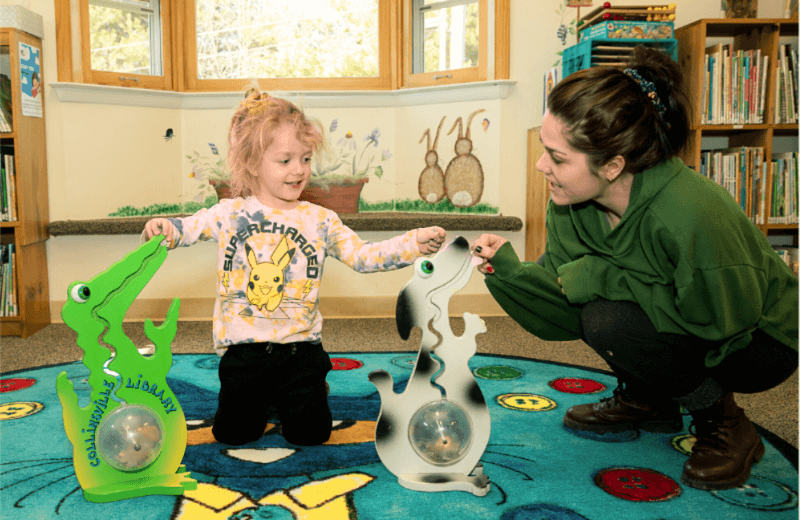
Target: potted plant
(214, 171)
(339, 171)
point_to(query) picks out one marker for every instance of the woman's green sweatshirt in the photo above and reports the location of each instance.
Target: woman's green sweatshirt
(684, 251)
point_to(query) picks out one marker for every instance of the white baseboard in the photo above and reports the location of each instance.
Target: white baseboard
(201, 309)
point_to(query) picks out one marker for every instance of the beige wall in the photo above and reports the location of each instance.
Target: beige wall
(96, 152)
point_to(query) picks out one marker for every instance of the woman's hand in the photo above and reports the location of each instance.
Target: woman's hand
(485, 247)
(158, 226)
(430, 239)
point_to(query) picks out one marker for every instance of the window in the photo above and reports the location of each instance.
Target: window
(125, 36)
(445, 35)
(287, 39)
(289, 44)
(221, 45)
(115, 42)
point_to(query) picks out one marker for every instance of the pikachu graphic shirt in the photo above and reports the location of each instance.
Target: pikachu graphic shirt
(270, 264)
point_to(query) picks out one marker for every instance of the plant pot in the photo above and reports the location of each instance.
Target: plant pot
(222, 188)
(341, 198)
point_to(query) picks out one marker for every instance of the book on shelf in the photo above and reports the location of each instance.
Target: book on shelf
(8, 189)
(783, 191)
(734, 82)
(786, 85)
(8, 293)
(790, 256)
(742, 171)
(6, 117)
(4, 124)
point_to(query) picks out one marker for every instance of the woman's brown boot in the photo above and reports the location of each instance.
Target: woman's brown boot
(623, 411)
(727, 446)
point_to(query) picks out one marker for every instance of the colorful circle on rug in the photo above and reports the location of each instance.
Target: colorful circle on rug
(574, 385)
(9, 411)
(526, 402)
(684, 443)
(498, 373)
(542, 512)
(761, 494)
(637, 484)
(20, 383)
(345, 364)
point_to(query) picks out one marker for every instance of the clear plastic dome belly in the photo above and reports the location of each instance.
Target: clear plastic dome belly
(130, 438)
(441, 433)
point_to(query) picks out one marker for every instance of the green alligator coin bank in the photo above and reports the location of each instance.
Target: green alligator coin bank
(130, 439)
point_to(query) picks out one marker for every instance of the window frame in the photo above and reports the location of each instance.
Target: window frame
(442, 77)
(99, 77)
(179, 53)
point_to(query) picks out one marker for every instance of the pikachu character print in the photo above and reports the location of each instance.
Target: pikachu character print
(266, 283)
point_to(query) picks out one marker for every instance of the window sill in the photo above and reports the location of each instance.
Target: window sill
(108, 95)
(389, 221)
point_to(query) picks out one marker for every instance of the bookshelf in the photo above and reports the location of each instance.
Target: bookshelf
(767, 36)
(27, 234)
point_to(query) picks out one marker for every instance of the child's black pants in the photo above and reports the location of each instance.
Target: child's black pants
(290, 377)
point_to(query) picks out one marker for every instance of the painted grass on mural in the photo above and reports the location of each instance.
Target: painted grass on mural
(406, 206)
(419, 206)
(165, 209)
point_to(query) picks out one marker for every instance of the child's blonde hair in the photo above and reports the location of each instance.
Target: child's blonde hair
(251, 133)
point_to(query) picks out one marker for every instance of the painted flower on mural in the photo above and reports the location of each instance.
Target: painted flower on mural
(208, 168)
(209, 171)
(346, 159)
(566, 29)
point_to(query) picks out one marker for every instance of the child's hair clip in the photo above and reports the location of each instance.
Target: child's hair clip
(256, 104)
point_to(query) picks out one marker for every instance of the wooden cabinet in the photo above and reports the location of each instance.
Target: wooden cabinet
(538, 195)
(742, 34)
(29, 232)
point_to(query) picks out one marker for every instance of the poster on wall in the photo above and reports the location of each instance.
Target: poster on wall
(30, 80)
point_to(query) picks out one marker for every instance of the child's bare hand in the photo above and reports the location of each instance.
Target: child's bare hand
(158, 226)
(430, 239)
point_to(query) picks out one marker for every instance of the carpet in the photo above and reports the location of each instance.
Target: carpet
(538, 469)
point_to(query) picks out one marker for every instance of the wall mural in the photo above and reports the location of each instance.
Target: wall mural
(567, 28)
(463, 179)
(431, 180)
(343, 167)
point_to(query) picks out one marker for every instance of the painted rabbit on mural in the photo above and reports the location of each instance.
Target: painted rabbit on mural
(463, 179)
(431, 180)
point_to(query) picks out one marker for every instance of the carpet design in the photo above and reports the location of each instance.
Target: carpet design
(538, 469)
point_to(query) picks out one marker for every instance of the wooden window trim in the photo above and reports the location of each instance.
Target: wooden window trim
(470, 74)
(502, 39)
(80, 70)
(180, 51)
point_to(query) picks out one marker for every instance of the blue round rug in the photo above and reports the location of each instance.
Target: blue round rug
(538, 469)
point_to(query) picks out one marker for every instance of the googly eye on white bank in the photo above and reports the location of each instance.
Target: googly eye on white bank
(424, 268)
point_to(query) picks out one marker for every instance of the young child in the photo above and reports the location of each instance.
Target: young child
(270, 258)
